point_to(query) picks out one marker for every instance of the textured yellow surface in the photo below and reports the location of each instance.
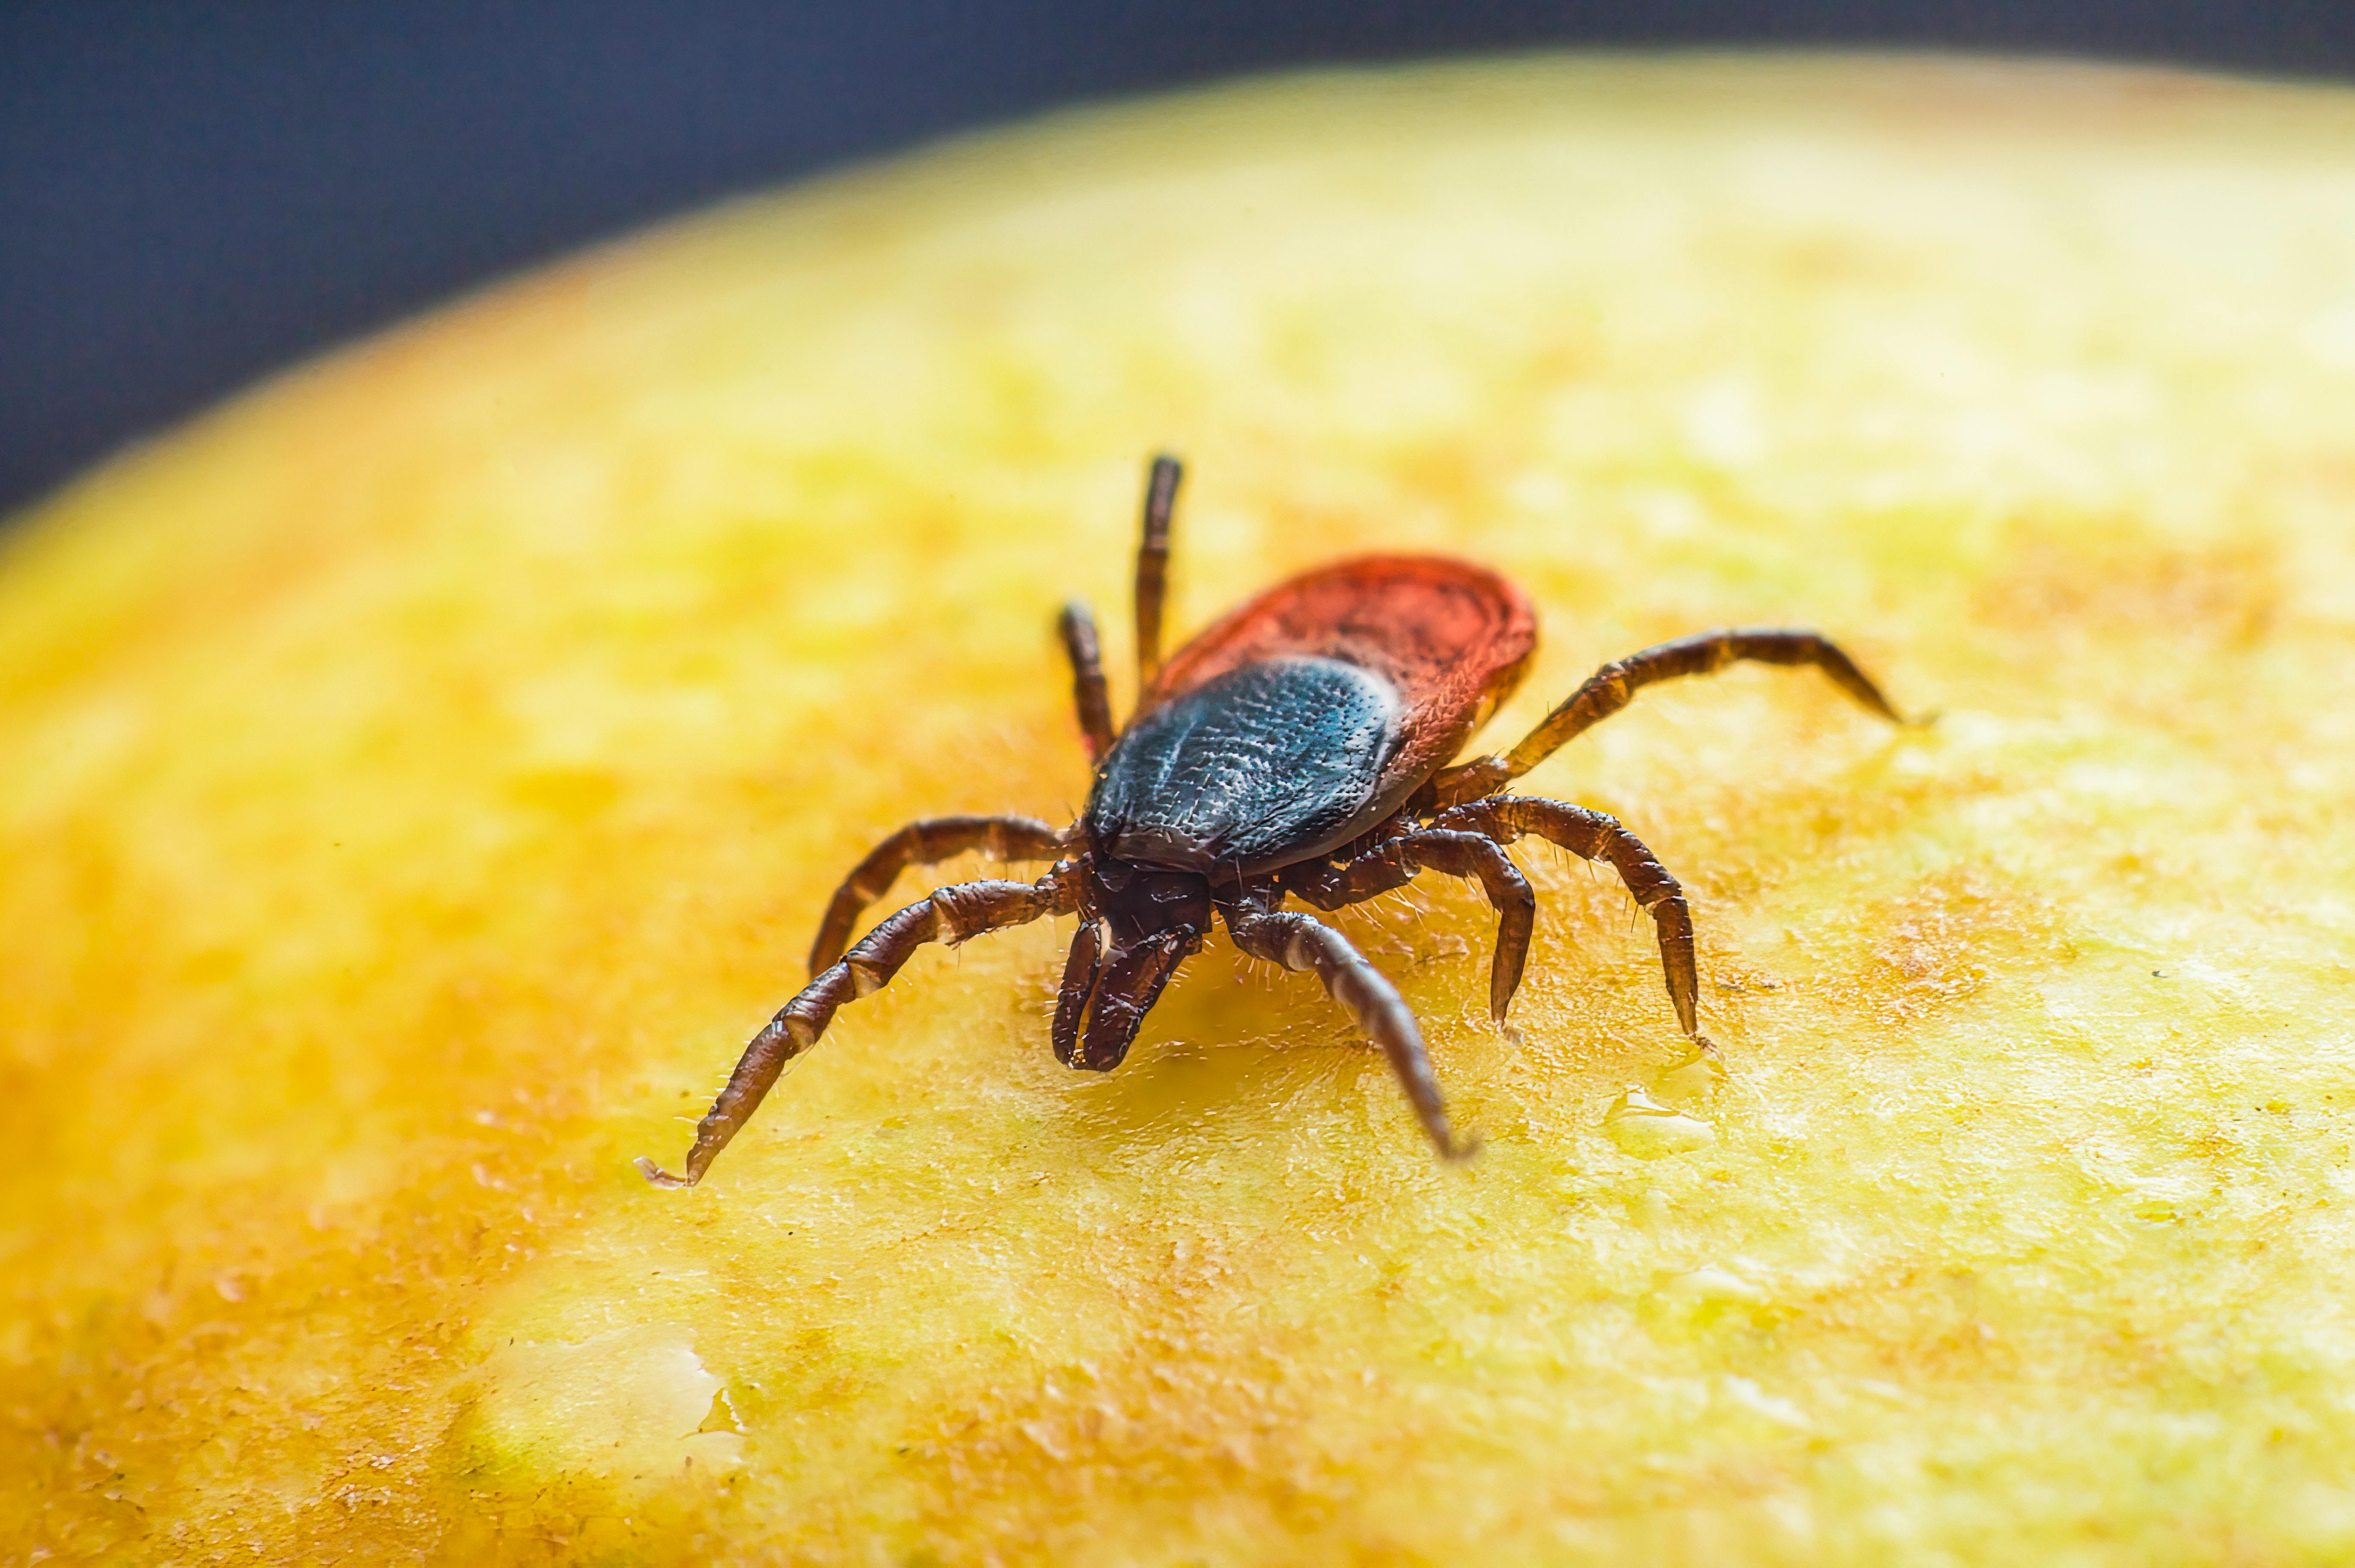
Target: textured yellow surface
(418, 778)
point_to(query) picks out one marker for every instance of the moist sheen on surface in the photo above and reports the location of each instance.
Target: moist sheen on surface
(1268, 763)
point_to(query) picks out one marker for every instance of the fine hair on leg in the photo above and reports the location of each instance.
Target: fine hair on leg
(926, 843)
(952, 915)
(1592, 836)
(1300, 942)
(1089, 697)
(1394, 862)
(1613, 687)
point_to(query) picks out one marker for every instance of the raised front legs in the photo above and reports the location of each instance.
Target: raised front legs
(1394, 862)
(925, 843)
(1300, 942)
(951, 915)
(1613, 687)
(1592, 836)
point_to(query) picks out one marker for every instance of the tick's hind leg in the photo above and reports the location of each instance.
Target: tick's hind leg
(1153, 566)
(925, 843)
(952, 915)
(1299, 941)
(1613, 687)
(1595, 836)
(1394, 862)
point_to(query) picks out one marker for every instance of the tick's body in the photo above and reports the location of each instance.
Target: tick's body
(1309, 715)
(1299, 746)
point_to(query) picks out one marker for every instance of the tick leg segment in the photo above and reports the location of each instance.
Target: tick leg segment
(1153, 565)
(1078, 627)
(925, 843)
(1299, 941)
(1394, 862)
(952, 915)
(1613, 687)
(1592, 836)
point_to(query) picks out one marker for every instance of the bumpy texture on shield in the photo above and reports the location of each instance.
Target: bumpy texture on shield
(1257, 767)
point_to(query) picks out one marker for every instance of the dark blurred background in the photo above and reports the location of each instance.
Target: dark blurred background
(193, 193)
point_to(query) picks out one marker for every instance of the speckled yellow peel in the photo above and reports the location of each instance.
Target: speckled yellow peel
(418, 778)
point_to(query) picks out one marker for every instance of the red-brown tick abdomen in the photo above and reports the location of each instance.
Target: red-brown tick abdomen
(1452, 637)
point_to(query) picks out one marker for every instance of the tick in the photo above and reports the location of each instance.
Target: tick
(1298, 748)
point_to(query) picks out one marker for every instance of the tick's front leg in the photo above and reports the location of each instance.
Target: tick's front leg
(924, 843)
(951, 915)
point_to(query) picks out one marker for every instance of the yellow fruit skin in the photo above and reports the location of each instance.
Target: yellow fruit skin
(418, 778)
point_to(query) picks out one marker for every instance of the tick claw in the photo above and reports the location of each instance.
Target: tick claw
(658, 1176)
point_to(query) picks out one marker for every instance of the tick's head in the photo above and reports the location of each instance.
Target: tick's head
(1137, 924)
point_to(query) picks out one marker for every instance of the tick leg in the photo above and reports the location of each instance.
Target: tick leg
(1078, 626)
(1299, 941)
(1394, 862)
(1613, 687)
(952, 915)
(1153, 565)
(925, 843)
(1595, 836)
